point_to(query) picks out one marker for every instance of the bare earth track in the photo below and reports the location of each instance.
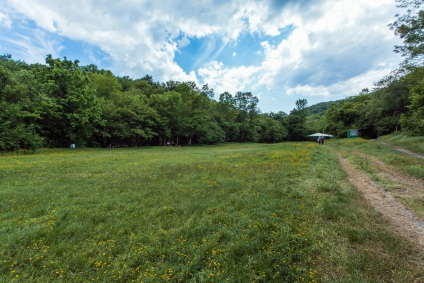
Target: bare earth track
(405, 151)
(404, 221)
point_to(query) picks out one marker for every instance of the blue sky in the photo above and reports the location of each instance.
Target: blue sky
(280, 50)
(246, 50)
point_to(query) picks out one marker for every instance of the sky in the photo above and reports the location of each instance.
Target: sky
(279, 50)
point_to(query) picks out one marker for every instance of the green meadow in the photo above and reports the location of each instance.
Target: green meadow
(227, 213)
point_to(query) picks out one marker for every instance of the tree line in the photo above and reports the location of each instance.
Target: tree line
(397, 102)
(61, 103)
(398, 105)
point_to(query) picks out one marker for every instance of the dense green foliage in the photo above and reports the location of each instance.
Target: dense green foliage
(315, 119)
(410, 28)
(61, 103)
(228, 213)
(397, 106)
(398, 101)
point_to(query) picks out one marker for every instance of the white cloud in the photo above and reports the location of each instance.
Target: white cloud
(336, 49)
(136, 31)
(136, 41)
(228, 79)
(341, 89)
(336, 46)
(34, 48)
(183, 42)
(5, 21)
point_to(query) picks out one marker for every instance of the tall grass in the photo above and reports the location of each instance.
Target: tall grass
(230, 213)
(404, 162)
(416, 144)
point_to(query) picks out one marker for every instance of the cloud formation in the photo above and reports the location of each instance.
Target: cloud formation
(303, 49)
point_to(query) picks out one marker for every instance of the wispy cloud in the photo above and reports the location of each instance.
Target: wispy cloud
(5, 21)
(299, 48)
(34, 48)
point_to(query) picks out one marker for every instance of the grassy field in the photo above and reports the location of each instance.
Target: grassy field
(228, 213)
(415, 144)
(383, 150)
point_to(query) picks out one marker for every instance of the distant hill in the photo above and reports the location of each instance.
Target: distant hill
(319, 108)
(315, 117)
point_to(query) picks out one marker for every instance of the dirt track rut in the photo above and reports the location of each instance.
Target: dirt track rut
(404, 221)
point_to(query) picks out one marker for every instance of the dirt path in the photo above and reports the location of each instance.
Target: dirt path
(405, 151)
(405, 184)
(404, 221)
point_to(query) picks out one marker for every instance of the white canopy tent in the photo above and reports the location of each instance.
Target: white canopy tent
(320, 134)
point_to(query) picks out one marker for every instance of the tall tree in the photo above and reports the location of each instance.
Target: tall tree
(129, 119)
(19, 107)
(412, 121)
(226, 115)
(147, 86)
(410, 28)
(247, 119)
(72, 112)
(386, 106)
(296, 123)
(198, 122)
(270, 130)
(168, 106)
(346, 114)
(105, 83)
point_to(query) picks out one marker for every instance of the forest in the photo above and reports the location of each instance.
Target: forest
(61, 103)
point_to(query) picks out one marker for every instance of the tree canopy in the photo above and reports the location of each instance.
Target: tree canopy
(410, 28)
(61, 103)
(398, 100)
